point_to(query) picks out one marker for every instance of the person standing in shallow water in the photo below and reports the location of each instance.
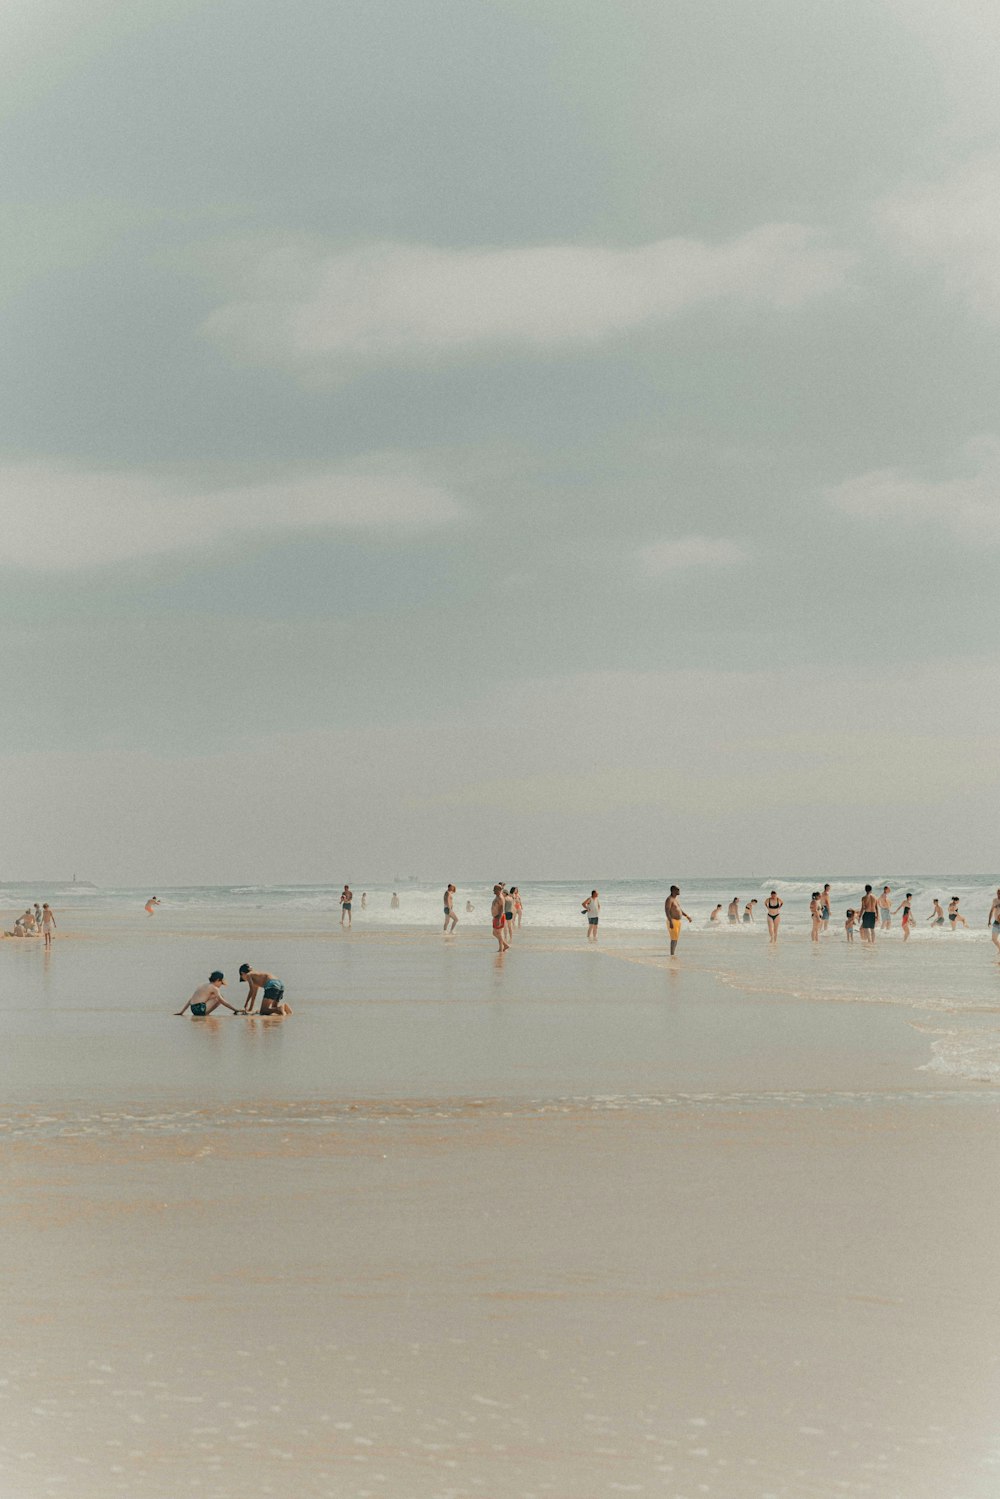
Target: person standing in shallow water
(773, 906)
(885, 909)
(345, 906)
(449, 909)
(869, 916)
(48, 924)
(496, 912)
(734, 911)
(824, 905)
(673, 912)
(993, 922)
(592, 911)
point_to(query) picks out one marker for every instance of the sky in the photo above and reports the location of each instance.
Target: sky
(468, 436)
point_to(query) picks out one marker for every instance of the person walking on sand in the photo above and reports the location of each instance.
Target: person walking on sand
(151, 904)
(496, 912)
(207, 998)
(954, 915)
(773, 906)
(270, 988)
(937, 915)
(993, 922)
(592, 911)
(885, 908)
(449, 908)
(672, 911)
(734, 910)
(345, 906)
(48, 924)
(869, 916)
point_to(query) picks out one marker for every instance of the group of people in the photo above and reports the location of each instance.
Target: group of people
(872, 914)
(37, 921)
(208, 997)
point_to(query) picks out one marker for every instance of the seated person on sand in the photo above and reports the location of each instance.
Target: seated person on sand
(30, 927)
(272, 998)
(207, 997)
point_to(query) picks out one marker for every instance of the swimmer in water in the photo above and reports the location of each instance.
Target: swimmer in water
(151, 904)
(716, 914)
(734, 910)
(364, 900)
(849, 923)
(937, 915)
(748, 918)
(207, 997)
(394, 903)
(773, 906)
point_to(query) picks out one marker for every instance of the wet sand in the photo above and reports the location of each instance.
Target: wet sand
(569, 1226)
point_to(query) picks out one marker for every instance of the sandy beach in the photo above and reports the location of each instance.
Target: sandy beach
(576, 1224)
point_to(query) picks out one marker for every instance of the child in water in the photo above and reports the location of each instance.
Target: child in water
(849, 923)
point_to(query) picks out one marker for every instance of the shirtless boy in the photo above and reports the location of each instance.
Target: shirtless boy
(271, 989)
(345, 906)
(207, 998)
(449, 908)
(885, 908)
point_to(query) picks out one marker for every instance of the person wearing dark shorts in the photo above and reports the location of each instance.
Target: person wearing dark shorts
(207, 997)
(270, 988)
(592, 909)
(869, 916)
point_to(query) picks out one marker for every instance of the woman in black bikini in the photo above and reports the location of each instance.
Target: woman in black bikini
(773, 906)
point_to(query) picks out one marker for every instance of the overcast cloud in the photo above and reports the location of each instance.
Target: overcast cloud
(455, 437)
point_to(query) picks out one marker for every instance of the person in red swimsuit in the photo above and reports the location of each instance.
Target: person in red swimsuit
(499, 919)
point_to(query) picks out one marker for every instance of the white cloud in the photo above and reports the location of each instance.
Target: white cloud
(689, 551)
(395, 302)
(58, 518)
(968, 505)
(954, 224)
